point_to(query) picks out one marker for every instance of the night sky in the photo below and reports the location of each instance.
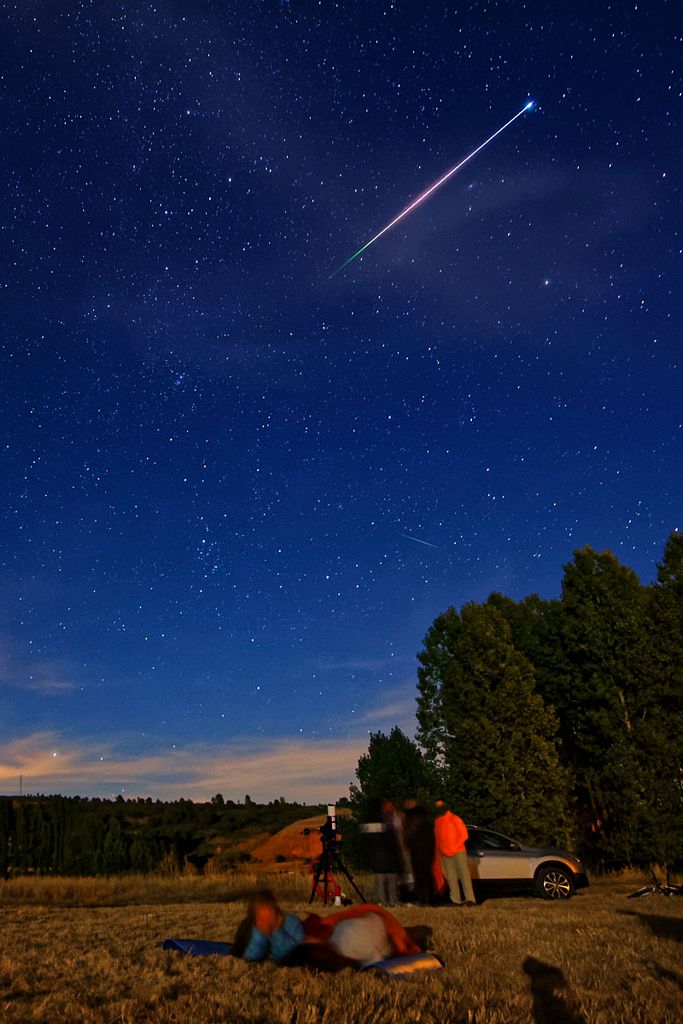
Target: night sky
(238, 487)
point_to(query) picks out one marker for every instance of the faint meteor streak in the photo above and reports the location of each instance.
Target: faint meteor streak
(418, 541)
(432, 188)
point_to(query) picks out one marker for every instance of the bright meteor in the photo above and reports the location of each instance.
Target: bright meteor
(432, 188)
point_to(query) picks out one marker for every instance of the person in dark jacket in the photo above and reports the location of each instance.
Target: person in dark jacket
(419, 834)
(382, 853)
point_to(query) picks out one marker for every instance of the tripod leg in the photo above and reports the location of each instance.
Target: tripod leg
(339, 863)
(316, 879)
(326, 881)
(324, 870)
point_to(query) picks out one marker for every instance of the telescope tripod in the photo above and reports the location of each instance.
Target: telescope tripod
(329, 856)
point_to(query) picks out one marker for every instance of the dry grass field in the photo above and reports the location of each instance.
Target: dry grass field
(89, 951)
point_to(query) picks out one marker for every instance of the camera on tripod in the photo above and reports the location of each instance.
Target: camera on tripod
(324, 883)
(328, 832)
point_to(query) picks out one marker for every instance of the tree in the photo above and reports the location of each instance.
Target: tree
(115, 848)
(501, 762)
(6, 833)
(141, 856)
(529, 621)
(393, 768)
(598, 687)
(440, 649)
(659, 724)
(670, 569)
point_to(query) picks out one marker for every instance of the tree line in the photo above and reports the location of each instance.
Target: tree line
(556, 721)
(79, 836)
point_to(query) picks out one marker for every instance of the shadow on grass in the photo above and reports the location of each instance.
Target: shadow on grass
(518, 897)
(661, 927)
(550, 1005)
(664, 974)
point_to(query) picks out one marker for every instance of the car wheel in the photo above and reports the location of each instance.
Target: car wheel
(554, 883)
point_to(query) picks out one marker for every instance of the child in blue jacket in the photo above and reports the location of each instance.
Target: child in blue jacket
(267, 933)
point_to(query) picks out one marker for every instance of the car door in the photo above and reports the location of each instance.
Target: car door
(493, 857)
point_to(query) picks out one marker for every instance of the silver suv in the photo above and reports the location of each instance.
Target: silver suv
(498, 863)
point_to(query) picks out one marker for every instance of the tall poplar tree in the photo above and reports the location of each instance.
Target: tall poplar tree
(498, 739)
(598, 688)
(659, 725)
(440, 649)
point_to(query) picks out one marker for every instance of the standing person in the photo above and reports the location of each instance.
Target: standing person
(382, 854)
(397, 823)
(419, 834)
(450, 836)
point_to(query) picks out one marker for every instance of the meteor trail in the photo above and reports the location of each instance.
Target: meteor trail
(432, 188)
(418, 541)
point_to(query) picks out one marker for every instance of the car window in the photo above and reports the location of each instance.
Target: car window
(482, 839)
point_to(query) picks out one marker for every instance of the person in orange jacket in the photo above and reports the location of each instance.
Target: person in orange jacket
(450, 864)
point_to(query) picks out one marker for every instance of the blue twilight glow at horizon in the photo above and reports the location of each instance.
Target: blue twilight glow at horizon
(529, 105)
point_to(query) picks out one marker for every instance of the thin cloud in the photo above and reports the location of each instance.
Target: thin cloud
(310, 770)
(399, 710)
(25, 673)
(307, 770)
(356, 664)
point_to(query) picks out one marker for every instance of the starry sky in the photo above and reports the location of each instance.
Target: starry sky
(238, 486)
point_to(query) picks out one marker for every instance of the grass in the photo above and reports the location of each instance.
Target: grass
(89, 953)
(136, 890)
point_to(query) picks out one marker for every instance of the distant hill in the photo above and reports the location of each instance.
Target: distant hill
(78, 836)
(290, 844)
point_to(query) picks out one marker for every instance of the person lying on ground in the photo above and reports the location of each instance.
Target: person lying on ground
(266, 933)
(349, 938)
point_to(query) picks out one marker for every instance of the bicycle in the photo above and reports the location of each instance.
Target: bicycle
(660, 888)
